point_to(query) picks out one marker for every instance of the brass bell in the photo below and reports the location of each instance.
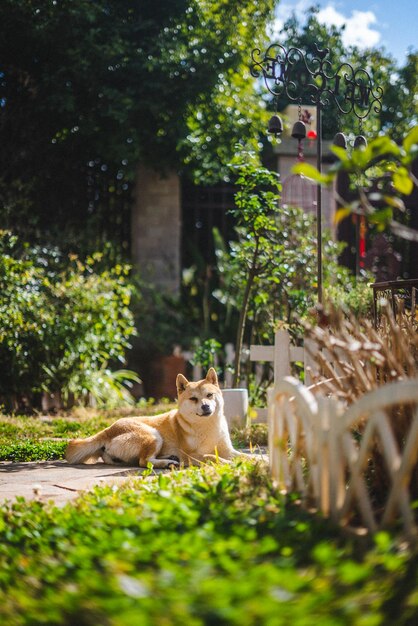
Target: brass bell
(275, 126)
(340, 140)
(299, 130)
(360, 141)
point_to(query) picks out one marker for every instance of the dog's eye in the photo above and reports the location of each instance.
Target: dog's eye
(210, 395)
(193, 399)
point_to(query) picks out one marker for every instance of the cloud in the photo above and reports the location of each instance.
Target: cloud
(285, 10)
(358, 31)
(358, 25)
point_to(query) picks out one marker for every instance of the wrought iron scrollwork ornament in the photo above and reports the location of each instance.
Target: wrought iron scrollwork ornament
(311, 76)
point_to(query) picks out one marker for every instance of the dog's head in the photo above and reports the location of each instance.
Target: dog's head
(201, 399)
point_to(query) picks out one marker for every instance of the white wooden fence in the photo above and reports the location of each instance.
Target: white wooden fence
(282, 354)
(315, 449)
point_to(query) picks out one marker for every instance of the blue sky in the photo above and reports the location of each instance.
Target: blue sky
(392, 24)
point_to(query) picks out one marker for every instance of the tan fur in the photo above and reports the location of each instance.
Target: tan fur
(194, 432)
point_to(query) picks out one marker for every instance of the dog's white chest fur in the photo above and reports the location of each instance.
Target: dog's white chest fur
(192, 442)
(201, 440)
(202, 444)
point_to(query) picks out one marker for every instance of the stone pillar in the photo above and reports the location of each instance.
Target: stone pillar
(156, 228)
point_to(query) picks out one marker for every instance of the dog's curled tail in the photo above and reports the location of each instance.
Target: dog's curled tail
(85, 450)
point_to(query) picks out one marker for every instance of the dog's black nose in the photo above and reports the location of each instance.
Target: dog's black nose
(206, 409)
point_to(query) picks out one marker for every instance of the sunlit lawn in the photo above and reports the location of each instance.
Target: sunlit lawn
(37, 438)
(44, 437)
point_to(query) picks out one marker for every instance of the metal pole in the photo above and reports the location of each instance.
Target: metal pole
(357, 224)
(319, 197)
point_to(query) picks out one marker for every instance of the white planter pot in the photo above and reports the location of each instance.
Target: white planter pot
(236, 407)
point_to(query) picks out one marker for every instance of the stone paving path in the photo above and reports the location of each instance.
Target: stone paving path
(58, 481)
(61, 482)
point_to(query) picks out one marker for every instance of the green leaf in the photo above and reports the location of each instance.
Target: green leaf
(342, 214)
(382, 146)
(381, 218)
(411, 139)
(360, 159)
(395, 202)
(309, 171)
(341, 153)
(402, 181)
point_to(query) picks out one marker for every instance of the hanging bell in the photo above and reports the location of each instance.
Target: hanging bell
(340, 140)
(360, 141)
(275, 126)
(299, 130)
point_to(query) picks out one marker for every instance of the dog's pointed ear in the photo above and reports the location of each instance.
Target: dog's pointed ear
(181, 383)
(212, 377)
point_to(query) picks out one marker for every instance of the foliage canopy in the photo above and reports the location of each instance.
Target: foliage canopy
(89, 89)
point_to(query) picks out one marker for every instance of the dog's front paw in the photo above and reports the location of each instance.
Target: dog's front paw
(173, 461)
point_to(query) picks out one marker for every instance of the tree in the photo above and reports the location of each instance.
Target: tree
(89, 89)
(400, 102)
(255, 253)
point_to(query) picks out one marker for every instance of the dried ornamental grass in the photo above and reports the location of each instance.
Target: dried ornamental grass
(351, 357)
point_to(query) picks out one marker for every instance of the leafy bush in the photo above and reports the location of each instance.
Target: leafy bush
(382, 175)
(209, 546)
(269, 274)
(352, 294)
(205, 353)
(171, 321)
(59, 324)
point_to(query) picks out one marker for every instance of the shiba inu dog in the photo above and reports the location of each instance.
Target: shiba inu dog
(195, 432)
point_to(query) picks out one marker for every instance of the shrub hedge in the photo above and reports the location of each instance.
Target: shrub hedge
(211, 546)
(62, 321)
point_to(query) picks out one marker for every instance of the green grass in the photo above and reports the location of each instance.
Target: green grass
(35, 438)
(39, 439)
(32, 450)
(212, 546)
